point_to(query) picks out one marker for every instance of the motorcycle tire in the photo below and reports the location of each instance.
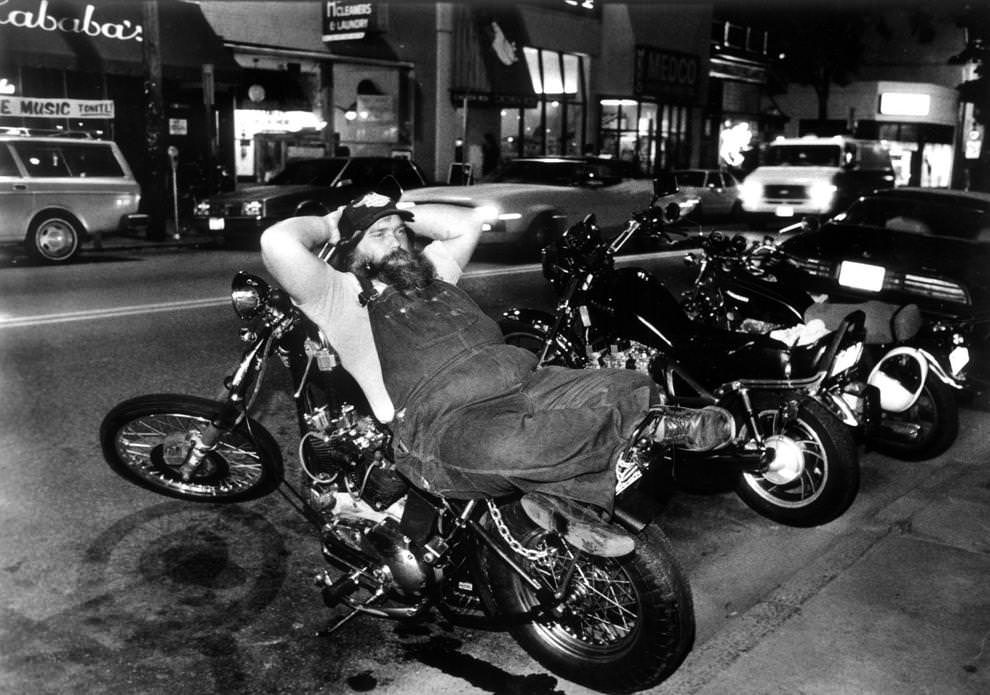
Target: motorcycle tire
(629, 625)
(144, 441)
(523, 335)
(936, 417)
(817, 445)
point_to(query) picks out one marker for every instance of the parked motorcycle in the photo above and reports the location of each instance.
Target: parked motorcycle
(912, 367)
(799, 463)
(395, 551)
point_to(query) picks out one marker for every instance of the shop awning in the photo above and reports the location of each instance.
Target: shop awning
(489, 63)
(106, 36)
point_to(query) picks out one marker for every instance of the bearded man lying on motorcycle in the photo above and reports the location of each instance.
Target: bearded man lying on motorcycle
(470, 415)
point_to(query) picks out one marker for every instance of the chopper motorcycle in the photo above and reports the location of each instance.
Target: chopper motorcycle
(913, 369)
(798, 463)
(617, 624)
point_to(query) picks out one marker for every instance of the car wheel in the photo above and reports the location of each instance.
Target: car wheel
(311, 208)
(736, 213)
(541, 232)
(53, 238)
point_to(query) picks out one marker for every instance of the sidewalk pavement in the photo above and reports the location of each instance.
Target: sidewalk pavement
(900, 606)
(138, 240)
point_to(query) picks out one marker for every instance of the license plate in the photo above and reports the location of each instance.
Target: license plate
(784, 211)
(216, 224)
(861, 276)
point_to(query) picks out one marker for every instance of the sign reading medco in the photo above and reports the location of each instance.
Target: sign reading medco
(346, 21)
(667, 75)
(56, 108)
(88, 22)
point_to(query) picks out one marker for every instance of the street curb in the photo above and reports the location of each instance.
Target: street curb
(707, 662)
(745, 633)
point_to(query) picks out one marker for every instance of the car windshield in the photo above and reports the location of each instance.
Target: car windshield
(309, 172)
(803, 155)
(949, 218)
(690, 178)
(550, 173)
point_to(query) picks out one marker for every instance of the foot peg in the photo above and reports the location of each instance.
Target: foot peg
(578, 524)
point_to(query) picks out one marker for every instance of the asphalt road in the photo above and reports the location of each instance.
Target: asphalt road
(107, 588)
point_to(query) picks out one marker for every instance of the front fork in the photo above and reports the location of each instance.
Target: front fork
(232, 412)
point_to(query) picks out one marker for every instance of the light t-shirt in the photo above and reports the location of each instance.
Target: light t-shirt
(347, 325)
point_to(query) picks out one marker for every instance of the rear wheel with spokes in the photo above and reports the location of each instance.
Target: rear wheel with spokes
(145, 440)
(625, 624)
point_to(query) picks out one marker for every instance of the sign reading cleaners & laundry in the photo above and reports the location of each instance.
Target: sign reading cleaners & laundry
(346, 21)
(56, 108)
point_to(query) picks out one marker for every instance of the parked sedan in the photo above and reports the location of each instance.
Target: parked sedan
(303, 187)
(717, 192)
(528, 201)
(930, 247)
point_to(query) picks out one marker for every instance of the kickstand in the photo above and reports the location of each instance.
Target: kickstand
(327, 631)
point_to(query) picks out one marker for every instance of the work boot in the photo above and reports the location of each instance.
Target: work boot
(579, 525)
(691, 429)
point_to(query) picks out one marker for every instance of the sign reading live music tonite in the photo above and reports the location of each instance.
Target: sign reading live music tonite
(56, 108)
(347, 21)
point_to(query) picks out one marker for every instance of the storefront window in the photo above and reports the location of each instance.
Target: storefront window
(556, 124)
(652, 136)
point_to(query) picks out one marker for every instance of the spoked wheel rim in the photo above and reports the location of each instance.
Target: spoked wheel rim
(56, 240)
(602, 616)
(154, 446)
(800, 477)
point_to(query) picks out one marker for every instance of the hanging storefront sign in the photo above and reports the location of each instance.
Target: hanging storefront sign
(667, 75)
(347, 21)
(56, 108)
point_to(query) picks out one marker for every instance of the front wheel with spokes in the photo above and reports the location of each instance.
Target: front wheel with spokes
(145, 440)
(623, 624)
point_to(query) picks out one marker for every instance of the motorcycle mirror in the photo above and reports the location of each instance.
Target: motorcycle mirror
(664, 183)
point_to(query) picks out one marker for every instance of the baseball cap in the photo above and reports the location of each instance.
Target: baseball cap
(363, 212)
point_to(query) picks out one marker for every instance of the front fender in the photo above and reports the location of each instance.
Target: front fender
(519, 322)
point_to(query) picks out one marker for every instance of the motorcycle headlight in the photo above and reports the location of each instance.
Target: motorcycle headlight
(248, 294)
(252, 208)
(821, 194)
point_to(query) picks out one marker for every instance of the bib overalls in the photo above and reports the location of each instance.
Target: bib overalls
(474, 418)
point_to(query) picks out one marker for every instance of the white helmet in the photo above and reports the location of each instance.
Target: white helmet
(900, 377)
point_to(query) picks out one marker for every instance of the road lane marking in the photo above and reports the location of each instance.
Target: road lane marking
(137, 309)
(113, 312)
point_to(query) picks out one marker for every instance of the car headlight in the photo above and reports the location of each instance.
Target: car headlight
(750, 192)
(252, 208)
(202, 208)
(821, 194)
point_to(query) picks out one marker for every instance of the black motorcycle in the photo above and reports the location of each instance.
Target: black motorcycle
(913, 367)
(395, 551)
(799, 463)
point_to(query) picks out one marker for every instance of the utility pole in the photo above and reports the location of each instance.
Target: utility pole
(155, 188)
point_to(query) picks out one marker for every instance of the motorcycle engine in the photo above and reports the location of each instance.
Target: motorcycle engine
(350, 480)
(354, 452)
(626, 355)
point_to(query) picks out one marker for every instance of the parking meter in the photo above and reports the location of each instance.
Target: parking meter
(173, 158)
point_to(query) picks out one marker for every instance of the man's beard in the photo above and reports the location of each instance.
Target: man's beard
(409, 273)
